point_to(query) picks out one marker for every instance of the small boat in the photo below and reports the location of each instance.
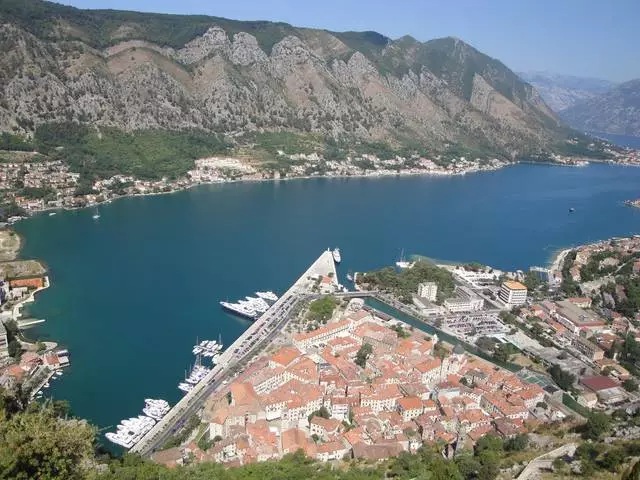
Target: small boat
(349, 277)
(571, 210)
(96, 215)
(336, 255)
(52, 214)
(402, 263)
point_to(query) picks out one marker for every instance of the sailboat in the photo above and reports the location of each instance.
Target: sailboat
(402, 263)
(350, 276)
(96, 215)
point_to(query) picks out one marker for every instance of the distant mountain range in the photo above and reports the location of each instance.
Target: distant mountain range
(616, 111)
(132, 71)
(563, 91)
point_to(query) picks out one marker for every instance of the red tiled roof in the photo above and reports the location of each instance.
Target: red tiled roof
(598, 382)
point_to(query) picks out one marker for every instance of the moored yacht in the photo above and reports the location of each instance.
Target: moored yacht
(336, 255)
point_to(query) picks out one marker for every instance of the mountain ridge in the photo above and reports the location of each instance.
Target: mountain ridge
(131, 70)
(616, 111)
(562, 91)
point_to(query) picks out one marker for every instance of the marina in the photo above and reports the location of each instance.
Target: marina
(131, 430)
(251, 307)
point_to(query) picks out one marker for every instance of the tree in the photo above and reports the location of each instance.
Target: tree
(489, 442)
(597, 425)
(517, 443)
(15, 349)
(229, 397)
(564, 379)
(503, 352)
(322, 310)
(362, 355)
(468, 465)
(40, 445)
(630, 385)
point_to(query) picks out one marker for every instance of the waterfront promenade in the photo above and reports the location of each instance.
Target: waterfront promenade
(253, 340)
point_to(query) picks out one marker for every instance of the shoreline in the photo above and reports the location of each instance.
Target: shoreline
(340, 177)
(283, 179)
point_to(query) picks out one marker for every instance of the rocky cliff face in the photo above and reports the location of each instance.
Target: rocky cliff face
(132, 71)
(616, 112)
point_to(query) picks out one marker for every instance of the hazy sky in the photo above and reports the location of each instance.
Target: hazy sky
(595, 38)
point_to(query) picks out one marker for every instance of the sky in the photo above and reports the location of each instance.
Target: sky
(589, 38)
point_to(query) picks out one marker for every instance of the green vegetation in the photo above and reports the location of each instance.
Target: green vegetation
(146, 154)
(321, 412)
(402, 333)
(36, 441)
(569, 287)
(362, 355)
(532, 281)
(596, 457)
(9, 210)
(405, 284)
(322, 309)
(598, 423)
(630, 385)
(45, 193)
(564, 379)
(20, 143)
(504, 351)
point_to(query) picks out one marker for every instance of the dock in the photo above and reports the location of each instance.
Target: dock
(253, 340)
(29, 322)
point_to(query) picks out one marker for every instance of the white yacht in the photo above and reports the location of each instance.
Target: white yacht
(185, 387)
(239, 309)
(336, 255)
(269, 296)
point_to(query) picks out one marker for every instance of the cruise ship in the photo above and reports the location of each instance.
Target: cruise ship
(336, 255)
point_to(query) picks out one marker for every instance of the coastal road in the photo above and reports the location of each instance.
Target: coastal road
(256, 337)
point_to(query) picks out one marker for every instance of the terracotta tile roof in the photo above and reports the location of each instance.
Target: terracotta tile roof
(410, 403)
(286, 355)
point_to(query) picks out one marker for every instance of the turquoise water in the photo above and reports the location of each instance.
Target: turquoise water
(133, 290)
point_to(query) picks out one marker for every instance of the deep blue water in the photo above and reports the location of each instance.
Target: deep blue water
(133, 290)
(620, 140)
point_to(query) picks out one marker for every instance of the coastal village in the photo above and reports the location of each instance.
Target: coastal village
(503, 354)
(32, 183)
(24, 362)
